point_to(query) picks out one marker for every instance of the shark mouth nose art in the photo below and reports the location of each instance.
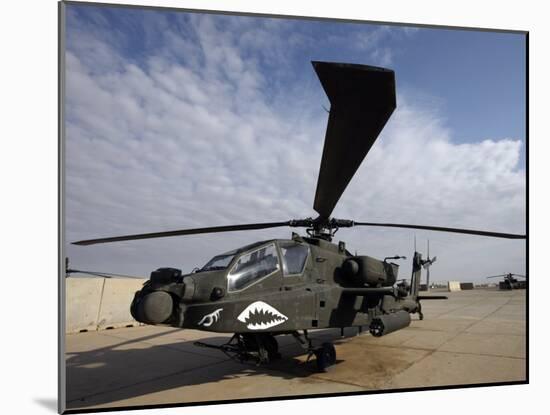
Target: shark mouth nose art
(261, 316)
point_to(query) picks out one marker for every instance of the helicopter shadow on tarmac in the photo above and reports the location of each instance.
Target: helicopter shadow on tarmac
(148, 365)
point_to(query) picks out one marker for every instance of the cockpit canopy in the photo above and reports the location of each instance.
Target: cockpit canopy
(294, 256)
(253, 266)
(252, 263)
(219, 262)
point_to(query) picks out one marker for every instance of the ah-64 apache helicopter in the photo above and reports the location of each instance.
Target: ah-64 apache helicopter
(288, 286)
(509, 282)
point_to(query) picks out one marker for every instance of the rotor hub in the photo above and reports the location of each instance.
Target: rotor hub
(322, 228)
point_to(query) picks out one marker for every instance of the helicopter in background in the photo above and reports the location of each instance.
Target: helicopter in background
(509, 282)
(289, 286)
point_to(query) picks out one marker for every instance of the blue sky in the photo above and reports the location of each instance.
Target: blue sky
(479, 75)
(180, 120)
(478, 78)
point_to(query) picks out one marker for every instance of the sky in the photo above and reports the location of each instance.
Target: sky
(178, 120)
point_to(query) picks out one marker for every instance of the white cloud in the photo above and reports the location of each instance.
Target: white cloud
(164, 146)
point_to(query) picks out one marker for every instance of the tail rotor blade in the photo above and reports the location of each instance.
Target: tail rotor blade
(429, 263)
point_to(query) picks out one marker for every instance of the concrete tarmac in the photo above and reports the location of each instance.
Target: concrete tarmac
(476, 336)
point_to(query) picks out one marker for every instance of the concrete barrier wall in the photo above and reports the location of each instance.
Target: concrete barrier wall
(453, 286)
(83, 296)
(99, 303)
(115, 303)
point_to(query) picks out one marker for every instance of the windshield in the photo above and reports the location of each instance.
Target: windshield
(218, 262)
(294, 257)
(252, 267)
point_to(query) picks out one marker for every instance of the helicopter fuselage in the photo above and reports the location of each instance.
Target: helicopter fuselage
(276, 286)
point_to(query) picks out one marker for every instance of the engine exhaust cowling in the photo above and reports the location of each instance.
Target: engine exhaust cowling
(370, 271)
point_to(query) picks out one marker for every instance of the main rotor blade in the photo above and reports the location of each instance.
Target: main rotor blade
(100, 274)
(441, 229)
(362, 98)
(497, 276)
(212, 229)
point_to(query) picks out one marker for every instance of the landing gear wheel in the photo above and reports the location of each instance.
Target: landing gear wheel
(326, 356)
(264, 344)
(272, 347)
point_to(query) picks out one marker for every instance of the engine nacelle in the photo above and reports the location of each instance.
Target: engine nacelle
(370, 271)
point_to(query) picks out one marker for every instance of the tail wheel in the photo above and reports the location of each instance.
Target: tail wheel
(326, 356)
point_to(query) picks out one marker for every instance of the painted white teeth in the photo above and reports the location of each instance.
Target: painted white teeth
(259, 307)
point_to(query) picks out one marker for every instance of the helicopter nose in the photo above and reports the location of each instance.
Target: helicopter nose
(154, 307)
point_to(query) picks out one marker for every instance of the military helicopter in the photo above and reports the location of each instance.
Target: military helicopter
(290, 286)
(509, 282)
